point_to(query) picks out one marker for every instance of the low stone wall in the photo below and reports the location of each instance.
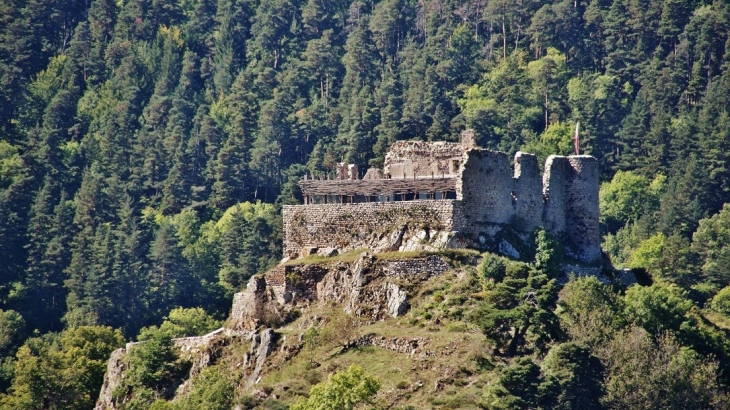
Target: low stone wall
(430, 266)
(380, 226)
(405, 345)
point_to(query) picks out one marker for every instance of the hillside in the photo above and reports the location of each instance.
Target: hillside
(436, 330)
(147, 148)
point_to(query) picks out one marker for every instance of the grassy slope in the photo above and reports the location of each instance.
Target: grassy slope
(448, 370)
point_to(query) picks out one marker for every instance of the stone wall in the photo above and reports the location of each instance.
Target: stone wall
(581, 208)
(421, 158)
(491, 194)
(407, 268)
(487, 189)
(494, 192)
(564, 200)
(528, 192)
(382, 226)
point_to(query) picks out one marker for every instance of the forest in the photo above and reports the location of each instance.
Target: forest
(147, 146)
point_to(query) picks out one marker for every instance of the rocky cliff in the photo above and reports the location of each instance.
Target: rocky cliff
(364, 286)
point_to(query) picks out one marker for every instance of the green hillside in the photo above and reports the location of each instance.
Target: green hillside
(147, 146)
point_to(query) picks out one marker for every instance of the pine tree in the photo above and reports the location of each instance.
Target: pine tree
(169, 278)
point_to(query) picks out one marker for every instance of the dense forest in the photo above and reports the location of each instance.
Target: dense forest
(147, 145)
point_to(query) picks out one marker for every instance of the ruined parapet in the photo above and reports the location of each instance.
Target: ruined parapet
(374, 173)
(352, 171)
(346, 171)
(341, 171)
(468, 139)
(408, 159)
(527, 192)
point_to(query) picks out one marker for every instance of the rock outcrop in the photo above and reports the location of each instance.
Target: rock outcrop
(366, 287)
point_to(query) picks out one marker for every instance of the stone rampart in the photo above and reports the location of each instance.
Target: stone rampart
(581, 208)
(491, 194)
(421, 158)
(382, 226)
(487, 188)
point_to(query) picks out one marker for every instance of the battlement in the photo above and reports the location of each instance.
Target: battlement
(448, 195)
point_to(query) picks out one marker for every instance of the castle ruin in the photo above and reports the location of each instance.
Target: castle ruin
(436, 195)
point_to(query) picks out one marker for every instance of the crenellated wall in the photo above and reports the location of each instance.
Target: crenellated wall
(491, 193)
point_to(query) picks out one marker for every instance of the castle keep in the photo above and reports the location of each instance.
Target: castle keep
(436, 195)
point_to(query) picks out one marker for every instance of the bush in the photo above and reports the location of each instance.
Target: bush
(183, 322)
(492, 268)
(721, 302)
(343, 391)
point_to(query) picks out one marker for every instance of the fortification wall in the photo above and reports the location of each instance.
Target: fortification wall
(485, 186)
(421, 158)
(555, 190)
(529, 201)
(495, 192)
(581, 208)
(491, 193)
(570, 186)
(563, 200)
(381, 226)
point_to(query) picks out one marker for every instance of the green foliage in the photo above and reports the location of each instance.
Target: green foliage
(627, 197)
(657, 308)
(11, 164)
(649, 253)
(642, 373)
(248, 235)
(521, 386)
(721, 302)
(182, 322)
(517, 312)
(11, 329)
(590, 311)
(492, 268)
(578, 373)
(213, 389)
(548, 253)
(557, 139)
(343, 390)
(711, 242)
(61, 371)
(154, 369)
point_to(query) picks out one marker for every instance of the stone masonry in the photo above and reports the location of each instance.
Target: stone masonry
(492, 193)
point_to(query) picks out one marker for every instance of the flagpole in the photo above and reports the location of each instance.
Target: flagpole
(575, 138)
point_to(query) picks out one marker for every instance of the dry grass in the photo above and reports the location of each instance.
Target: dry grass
(449, 371)
(717, 319)
(350, 256)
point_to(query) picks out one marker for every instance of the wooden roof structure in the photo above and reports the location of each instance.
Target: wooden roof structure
(375, 187)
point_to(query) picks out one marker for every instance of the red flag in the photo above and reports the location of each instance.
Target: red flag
(575, 138)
